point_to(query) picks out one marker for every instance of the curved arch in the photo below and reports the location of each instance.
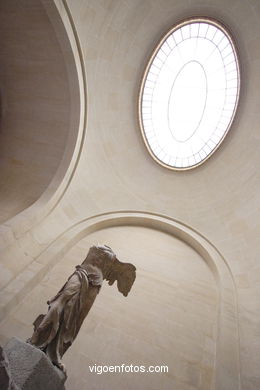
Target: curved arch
(65, 31)
(227, 348)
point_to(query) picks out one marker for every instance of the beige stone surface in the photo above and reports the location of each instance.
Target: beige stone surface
(35, 100)
(112, 170)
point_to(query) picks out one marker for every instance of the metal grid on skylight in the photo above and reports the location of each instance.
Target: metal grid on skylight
(189, 94)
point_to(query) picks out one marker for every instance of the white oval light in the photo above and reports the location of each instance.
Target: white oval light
(189, 94)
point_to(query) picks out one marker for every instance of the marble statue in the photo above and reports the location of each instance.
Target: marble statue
(55, 331)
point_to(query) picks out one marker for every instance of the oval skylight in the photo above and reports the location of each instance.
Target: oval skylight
(189, 94)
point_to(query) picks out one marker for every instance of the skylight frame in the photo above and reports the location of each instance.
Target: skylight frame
(144, 85)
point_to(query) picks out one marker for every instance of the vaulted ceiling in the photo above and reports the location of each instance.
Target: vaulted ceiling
(110, 169)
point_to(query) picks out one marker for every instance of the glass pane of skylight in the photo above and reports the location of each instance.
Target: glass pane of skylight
(189, 94)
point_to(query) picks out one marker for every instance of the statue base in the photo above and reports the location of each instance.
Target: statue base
(31, 369)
